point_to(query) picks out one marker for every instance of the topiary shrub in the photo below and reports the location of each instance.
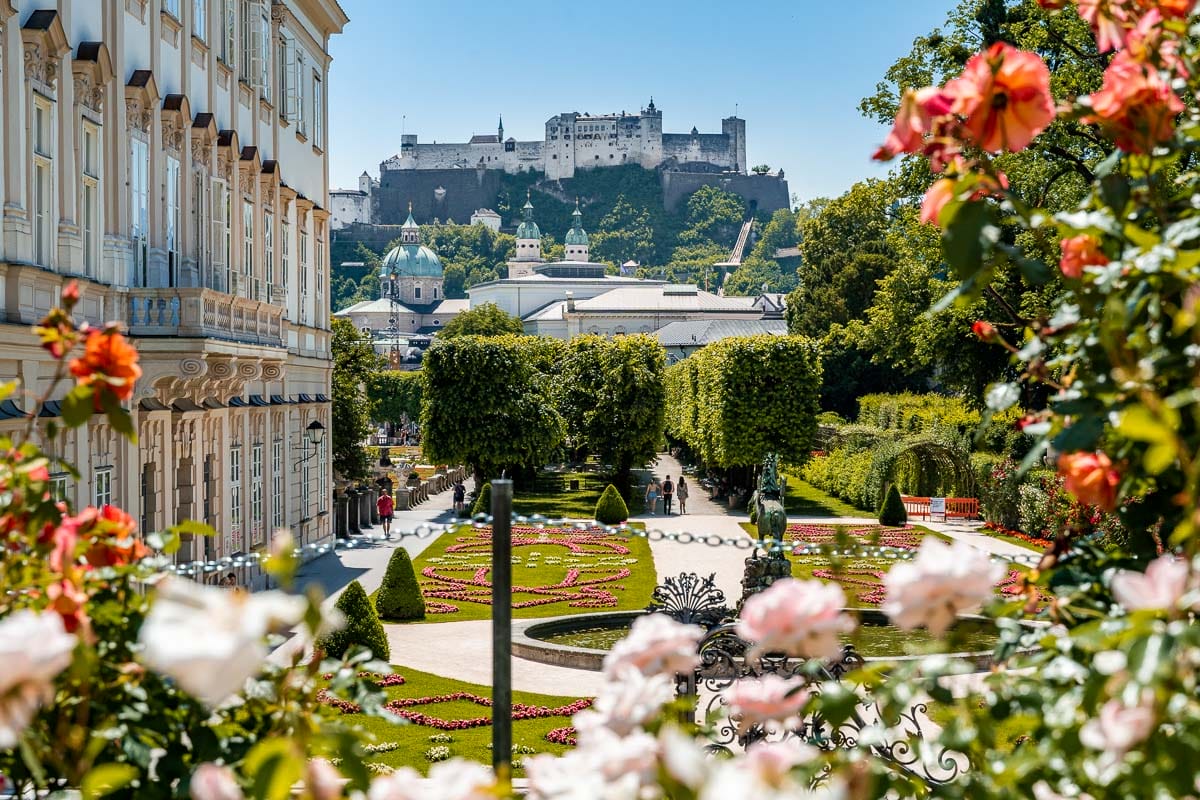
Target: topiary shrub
(399, 598)
(892, 511)
(611, 508)
(362, 626)
(483, 501)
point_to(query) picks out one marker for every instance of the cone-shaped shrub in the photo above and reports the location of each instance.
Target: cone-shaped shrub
(892, 511)
(399, 598)
(483, 501)
(362, 625)
(611, 508)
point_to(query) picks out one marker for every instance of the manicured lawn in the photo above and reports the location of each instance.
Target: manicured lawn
(556, 571)
(1004, 537)
(552, 497)
(406, 745)
(805, 500)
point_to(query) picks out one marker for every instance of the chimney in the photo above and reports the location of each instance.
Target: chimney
(570, 302)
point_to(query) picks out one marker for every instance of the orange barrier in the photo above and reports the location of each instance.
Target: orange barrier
(960, 507)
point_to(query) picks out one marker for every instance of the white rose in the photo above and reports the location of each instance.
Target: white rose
(656, 643)
(942, 582)
(34, 648)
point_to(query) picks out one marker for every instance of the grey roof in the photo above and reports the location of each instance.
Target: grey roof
(664, 298)
(698, 333)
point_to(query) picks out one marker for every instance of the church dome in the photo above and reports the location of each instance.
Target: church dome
(411, 261)
(528, 229)
(577, 235)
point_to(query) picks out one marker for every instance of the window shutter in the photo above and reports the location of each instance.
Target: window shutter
(290, 84)
(257, 44)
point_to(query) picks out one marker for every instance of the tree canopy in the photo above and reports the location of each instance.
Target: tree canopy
(355, 365)
(483, 320)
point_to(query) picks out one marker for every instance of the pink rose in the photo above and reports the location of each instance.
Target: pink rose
(214, 782)
(914, 119)
(766, 700)
(1118, 727)
(1160, 587)
(656, 644)
(940, 583)
(800, 618)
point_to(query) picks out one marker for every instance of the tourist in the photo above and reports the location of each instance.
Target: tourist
(460, 498)
(668, 492)
(651, 495)
(681, 491)
(386, 508)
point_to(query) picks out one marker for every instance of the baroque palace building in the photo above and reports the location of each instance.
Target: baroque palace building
(170, 156)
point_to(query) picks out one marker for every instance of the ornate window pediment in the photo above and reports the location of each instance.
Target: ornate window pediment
(249, 168)
(141, 97)
(204, 135)
(92, 68)
(176, 114)
(228, 154)
(45, 44)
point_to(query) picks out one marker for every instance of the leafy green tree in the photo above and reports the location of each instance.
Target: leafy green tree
(694, 264)
(355, 365)
(362, 627)
(624, 234)
(741, 398)
(611, 397)
(756, 275)
(484, 320)
(394, 394)
(761, 169)
(399, 597)
(715, 215)
(484, 403)
(611, 508)
(782, 230)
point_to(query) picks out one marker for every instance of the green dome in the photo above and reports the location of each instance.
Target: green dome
(411, 261)
(577, 236)
(528, 230)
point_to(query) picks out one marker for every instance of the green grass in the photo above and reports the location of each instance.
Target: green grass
(1008, 731)
(1003, 537)
(551, 496)
(471, 743)
(542, 562)
(805, 500)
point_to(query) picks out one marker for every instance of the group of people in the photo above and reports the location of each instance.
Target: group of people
(668, 491)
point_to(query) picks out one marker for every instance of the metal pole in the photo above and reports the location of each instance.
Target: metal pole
(502, 629)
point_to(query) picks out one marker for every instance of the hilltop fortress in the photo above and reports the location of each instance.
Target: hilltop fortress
(450, 181)
(576, 141)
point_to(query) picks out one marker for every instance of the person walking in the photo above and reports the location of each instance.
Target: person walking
(681, 491)
(651, 496)
(386, 508)
(460, 498)
(668, 493)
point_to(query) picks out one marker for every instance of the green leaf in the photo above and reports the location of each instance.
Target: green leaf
(106, 779)
(118, 417)
(1140, 424)
(966, 239)
(194, 528)
(1114, 192)
(77, 406)
(274, 768)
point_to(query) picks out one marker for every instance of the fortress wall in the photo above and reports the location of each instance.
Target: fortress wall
(438, 156)
(711, 148)
(464, 191)
(770, 192)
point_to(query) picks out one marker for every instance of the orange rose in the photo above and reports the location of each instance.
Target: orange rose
(1091, 478)
(914, 119)
(1108, 19)
(1135, 105)
(936, 198)
(1179, 9)
(1005, 96)
(110, 360)
(69, 601)
(1079, 252)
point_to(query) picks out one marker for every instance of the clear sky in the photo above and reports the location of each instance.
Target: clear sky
(795, 71)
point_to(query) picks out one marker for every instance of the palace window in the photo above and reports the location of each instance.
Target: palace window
(43, 170)
(228, 30)
(139, 198)
(172, 8)
(277, 483)
(288, 89)
(219, 197)
(302, 105)
(248, 244)
(256, 492)
(174, 256)
(90, 203)
(318, 104)
(200, 19)
(103, 487)
(286, 248)
(269, 249)
(59, 482)
(417, 292)
(303, 277)
(235, 489)
(306, 489)
(200, 227)
(322, 477)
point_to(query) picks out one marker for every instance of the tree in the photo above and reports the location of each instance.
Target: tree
(484, 403)
(355, 365)
(756, 275)
(485, 320)
(399, 597)
(624, 234)
(743, 397)
(483, 501)
(761, 169)
(362, 627)
(713, 214)
(610, 394)
(394, 394)
(611, 508)
(892, 511)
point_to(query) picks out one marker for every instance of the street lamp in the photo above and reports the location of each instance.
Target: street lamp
(313, 435)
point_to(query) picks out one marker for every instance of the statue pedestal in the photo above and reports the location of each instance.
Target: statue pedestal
(762, 570)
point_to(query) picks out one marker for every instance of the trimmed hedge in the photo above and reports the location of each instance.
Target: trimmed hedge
(399, 598)
(483, 501)
(611, 508)
(892, 511)
(362, 626)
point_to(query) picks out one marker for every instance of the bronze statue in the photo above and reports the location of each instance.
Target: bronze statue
(768, 502)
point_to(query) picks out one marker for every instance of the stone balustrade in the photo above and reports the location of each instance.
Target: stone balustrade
(198, 312)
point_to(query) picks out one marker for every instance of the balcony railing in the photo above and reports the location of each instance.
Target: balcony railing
(203, 313)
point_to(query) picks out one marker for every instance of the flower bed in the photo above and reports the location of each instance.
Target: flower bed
(567, 568)
(904, 538)
(1010, 533)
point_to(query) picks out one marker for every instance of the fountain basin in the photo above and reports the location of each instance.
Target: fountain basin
(580, 641)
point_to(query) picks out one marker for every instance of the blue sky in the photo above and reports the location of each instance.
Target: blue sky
(795, 70)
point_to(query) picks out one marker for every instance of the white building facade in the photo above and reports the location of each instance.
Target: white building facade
(170, 157)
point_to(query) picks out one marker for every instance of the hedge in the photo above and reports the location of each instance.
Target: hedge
(362, 626)
(611, 508)
(892, 512)
(399, 597)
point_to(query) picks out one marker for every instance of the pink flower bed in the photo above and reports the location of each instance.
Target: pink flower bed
(902, 538)
(580, 588)
(562, 736)
(403, 707)
(382, 681)
(868, 583)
